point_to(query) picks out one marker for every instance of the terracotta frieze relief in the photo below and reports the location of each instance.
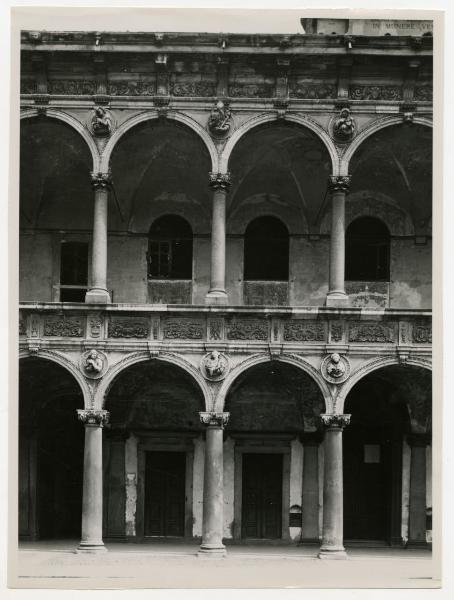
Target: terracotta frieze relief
(72, 87)
(132, 88)
(378, 333)
(422, 334)
(247, 329)
(424, 92)
(128, 327)
(304, 331)
(375, 92)
(183, 329)
(337, 332)
(63, 326)
(193, 88)
(251, 90)
(215, 328)
(312, 91)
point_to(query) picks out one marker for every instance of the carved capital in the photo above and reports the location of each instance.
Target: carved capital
(101, 180)
(93, 418)
(335, 421)
(214, 419)
(220, 181)
(339, 183)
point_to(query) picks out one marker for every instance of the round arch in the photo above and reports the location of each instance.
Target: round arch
(370, 367)
(138, 357)
(76, 125)
(258, 359)
(290, 118)
(151, 115)
(67, 364)
(369, 130)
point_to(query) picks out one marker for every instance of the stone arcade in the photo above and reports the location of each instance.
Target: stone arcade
(225, 287)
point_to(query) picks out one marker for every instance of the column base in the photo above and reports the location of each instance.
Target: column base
(337, 299)
(216, 297)
(97, 296)
(334, 554)
(91, 548)
(212, 551)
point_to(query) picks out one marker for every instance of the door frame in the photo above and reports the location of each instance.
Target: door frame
(266, 447)
(163, 444)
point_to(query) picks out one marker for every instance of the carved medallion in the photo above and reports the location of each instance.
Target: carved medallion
(335, 368)
(220, 119)
(93, 364)
(101, 122)
(343, 126)
(214, 366)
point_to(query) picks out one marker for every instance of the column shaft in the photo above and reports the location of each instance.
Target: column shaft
(213, 489)
(417, 512)
(333, 501)
(98, 290)
(220, 183)
(336, 293)
(92, 498)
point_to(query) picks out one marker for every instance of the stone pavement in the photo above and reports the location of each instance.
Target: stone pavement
(176, 565)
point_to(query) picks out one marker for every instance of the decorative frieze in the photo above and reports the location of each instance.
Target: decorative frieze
(310, 91)
(132, 88)
(193, 88)
(129, 327)
(72, 87)
(336, 332)
(183, 329)
(28, 86)
(424, 93)
(304, 331)
(215, 327)
(251, 90)
(56, 326)
(95, 326)
(375, 92)
(214, 419)
(248, 329)
(372, 333)
(422, 334)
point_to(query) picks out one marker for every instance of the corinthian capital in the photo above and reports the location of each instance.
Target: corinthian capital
(95, 418)
(220, 181)
(214, 419)
(335, 421)
(101, 180)
(339, 183)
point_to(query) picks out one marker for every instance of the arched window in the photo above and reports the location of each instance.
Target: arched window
(266, 250)
(367, 250)
(170, 249)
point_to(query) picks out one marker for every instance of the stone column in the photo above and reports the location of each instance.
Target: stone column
(417, 508)
(310, 533)
(213, 487)
(220, 183)
(94, 420)
(98, 293)
(338, 187)
(333, 501)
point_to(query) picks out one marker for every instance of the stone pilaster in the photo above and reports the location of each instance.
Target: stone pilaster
(333, 502)
(338, 187)
(101, 183)
(213, 488)
(220, 184)
(92, 499)
(417, 508)
(310, 499)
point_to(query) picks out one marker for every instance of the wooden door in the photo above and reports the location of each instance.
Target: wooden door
(262, 496)
(165, 475)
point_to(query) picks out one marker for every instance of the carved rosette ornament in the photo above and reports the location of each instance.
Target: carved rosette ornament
(339, 183)
(335, 368)
(344, 127)
(100, 180)
(93, 364)
(220, 119)
(94, 418)
(214, 419)
(214, 366)
(335, 421)
(220, 181)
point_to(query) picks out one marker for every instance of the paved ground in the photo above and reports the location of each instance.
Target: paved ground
(176, 565)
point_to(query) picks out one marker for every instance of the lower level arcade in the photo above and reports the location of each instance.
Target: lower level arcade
(267, 470)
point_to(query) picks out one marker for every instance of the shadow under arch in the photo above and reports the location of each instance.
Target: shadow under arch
(259, 359)
(154, 115)
(142, 357)
(75, 124)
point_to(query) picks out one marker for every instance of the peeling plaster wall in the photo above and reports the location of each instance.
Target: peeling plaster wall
(234, 270)
(201, 269)
(309, 271)
(35, 267)
(411, 274)
(127, 268)
(197, 488)
(229, 485)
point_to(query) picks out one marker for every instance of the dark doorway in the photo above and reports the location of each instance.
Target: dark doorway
(372, 458)
(262, 496)
(165, 477)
